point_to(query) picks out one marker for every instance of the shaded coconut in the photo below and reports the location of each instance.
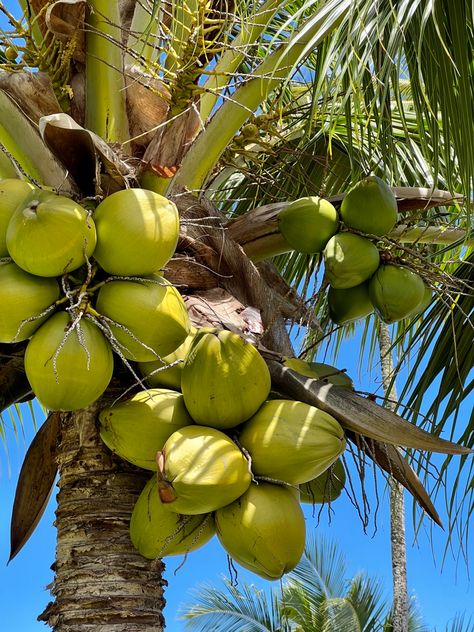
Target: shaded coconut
(307, 224)
(370, 206)
(349, 304)
(68, 370)
(395, 292)
(349, 260)
(320, 371)
(292, 441)
(326, 487)
(224, 379)
(49, 235)
(137, 232)
(167, 371)
(423, 305)
(23, 296)
(138, 428)
(156, 531)
(264, 530)
(13, 192)
(202, 470)
(151, 316)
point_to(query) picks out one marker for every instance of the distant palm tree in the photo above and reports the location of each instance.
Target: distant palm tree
(316, 597)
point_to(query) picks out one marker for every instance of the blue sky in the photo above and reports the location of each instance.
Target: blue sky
(440, 593)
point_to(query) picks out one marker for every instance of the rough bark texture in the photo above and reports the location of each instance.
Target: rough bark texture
(397, 502)
(101, 583)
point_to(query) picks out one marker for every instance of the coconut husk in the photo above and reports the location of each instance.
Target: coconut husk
(65, 18)
(147, 105)
(32, 92)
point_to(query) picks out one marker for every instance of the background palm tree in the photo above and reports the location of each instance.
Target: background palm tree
(228, 108)
(317, 596)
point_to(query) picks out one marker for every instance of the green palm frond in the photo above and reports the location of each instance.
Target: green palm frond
(232, 609)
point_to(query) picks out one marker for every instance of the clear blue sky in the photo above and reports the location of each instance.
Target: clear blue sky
(440, 594)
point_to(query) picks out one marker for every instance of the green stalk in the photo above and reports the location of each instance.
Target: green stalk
(106, 113)
(23, 143)
(36, 33)
(7, 168)
(276, 69)
(143, 38)
(251, 29)
(185, 13)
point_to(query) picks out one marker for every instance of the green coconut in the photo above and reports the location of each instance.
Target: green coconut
(264, 530)
(23, 298)
(326, 487)
(13, 192)
(370, 206)
(137, 232)
(138, 428)
(292, 441)
(67, 370)
(320, 371)
(425, 301)
(349, 304)
(150, 315)
(167, 371)
(157, 532)
(49, 235)
(395, 292)
(202, 470)
(307, 224)
(350, 260)
(224, 379)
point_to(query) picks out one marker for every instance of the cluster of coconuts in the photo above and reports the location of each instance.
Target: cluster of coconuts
(359, 281)
(80, 285)
(227, 458)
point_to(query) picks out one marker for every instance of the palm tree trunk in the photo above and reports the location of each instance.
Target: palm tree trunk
(397, 501)
(101, 583)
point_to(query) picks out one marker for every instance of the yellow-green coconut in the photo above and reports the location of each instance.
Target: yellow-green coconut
(326, 487)
(350, 260)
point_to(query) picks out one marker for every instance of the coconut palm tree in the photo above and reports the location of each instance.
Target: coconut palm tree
(316, 596)
(232, 110)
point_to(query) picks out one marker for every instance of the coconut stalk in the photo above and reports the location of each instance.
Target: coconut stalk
(101, 582)
(397, 500)
(143, 39)
(199, 162)
(230, 60)
(106, 112)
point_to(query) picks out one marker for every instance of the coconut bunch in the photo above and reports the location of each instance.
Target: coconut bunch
(363, 276)
(227, 458)
(83, 284)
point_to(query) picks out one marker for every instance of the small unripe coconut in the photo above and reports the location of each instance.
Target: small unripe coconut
(138, 428)
(152, 320)
(13, 192)
(349, 304)
(350, 260)
(23, 297)
(167, 371)
(395, 292)
(49, 235)
(137, 232)
(370, 206)
(326, 487)
(291, 441)
(202, 470)
(156, 531)
(68, 370)
(224, 379)
(320, 371)
(307, 224)
(264, 530)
